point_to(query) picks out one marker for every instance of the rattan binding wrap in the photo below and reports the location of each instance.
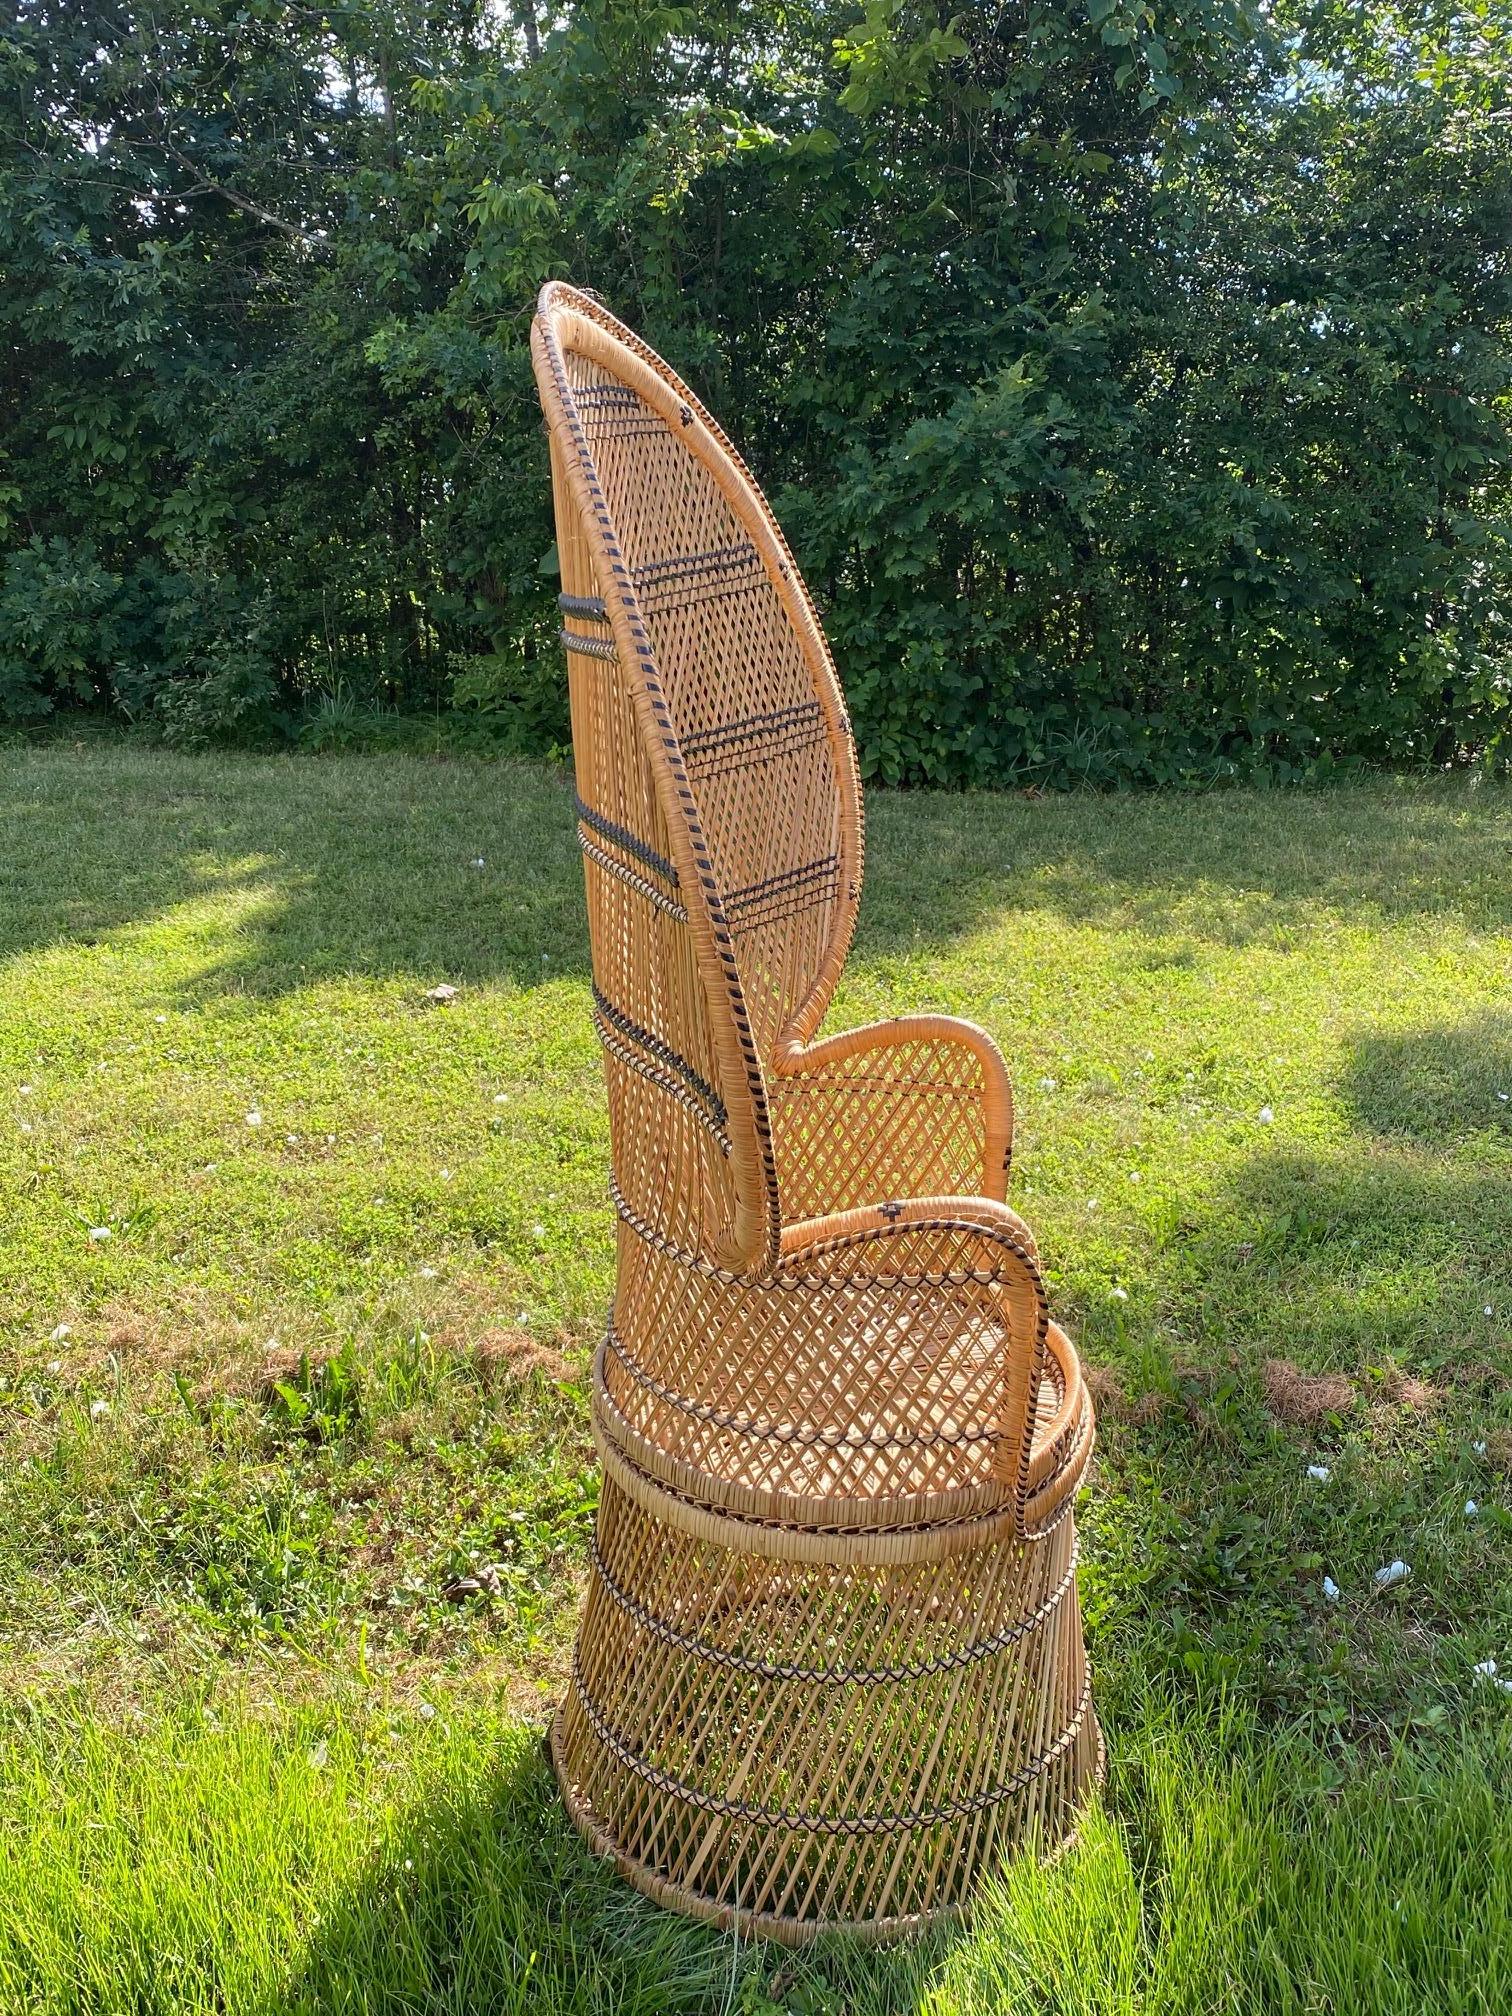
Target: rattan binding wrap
(831, 1664)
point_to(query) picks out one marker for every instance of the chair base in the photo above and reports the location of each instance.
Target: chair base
(800, 1746)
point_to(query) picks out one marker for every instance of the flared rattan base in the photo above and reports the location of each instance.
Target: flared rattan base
(797, 1746)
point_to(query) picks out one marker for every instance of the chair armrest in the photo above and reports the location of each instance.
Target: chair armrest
(916, 1106)
(971, 1245)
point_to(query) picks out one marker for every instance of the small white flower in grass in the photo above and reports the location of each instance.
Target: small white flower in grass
(160, 1018)
(446, 1175)
(1118, 1294)
(292, 1140)
(254, 1118)
(1047, 1084)
(26, 1127)
(1330, 1589)
(1471, 1508)
(427, 1273)
(538, 1231)
(270, 1344)
(1266, 1116)
(427, 1711)
(99, 1234)
(1091, 1203)
(25, 1091)
(1135, 1177)
(1479, 1448)
(59, 1332)
(97, 1408)
(55, 1364)
(501, 1098)
(523, 1317)
(1393, 1573)
(1319, 1470)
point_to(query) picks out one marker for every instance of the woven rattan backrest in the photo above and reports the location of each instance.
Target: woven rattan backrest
(719, 806)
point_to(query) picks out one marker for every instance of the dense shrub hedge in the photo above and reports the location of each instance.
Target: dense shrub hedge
(1133, 378)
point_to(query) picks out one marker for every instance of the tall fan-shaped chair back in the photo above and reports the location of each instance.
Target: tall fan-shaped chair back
(719, 806)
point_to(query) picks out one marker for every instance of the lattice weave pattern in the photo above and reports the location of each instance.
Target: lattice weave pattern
(831, 1662)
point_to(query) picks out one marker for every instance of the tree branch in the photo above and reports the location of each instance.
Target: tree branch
(207, 184)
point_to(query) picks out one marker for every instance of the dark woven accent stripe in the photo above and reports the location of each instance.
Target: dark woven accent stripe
(589, 647)
(623, 838)
(682, 601)
(831, 1676)
(607, 398)
(664, 1054)
(824, 1823)
(753, 894)
(688, 566)
(749, 728)
(611, 865)
(625, 430)
(716, 565)
(791, 743)
(783, 913)
(585, 608)
(624, 1052)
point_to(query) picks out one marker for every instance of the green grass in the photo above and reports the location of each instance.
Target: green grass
(253, 1755)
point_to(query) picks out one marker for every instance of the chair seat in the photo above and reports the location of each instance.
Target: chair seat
(844, 1430)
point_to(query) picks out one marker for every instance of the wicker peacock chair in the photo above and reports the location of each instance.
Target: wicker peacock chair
(831, 1664)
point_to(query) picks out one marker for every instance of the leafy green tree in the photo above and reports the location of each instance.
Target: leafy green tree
(1133, 380)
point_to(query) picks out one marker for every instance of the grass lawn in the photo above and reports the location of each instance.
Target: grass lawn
(299, 1275)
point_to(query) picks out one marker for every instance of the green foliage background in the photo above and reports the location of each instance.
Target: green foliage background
(1133, 379)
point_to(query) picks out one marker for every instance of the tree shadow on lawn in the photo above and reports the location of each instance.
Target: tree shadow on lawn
(1346, 1307)
(1437, 1085)
(311, 869)
(366, 865)
(1228, 868)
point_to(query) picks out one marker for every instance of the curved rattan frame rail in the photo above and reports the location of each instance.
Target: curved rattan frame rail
(831, 1664)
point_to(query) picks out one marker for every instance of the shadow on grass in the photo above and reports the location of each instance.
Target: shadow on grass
(1230, 868)
(486, 1899)
(1347, 1308)
(1434, 1085)
(1228, 1870)
(284, 872)
(367, 865)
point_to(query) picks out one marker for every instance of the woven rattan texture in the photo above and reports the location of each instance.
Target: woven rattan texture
(831, 1663)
